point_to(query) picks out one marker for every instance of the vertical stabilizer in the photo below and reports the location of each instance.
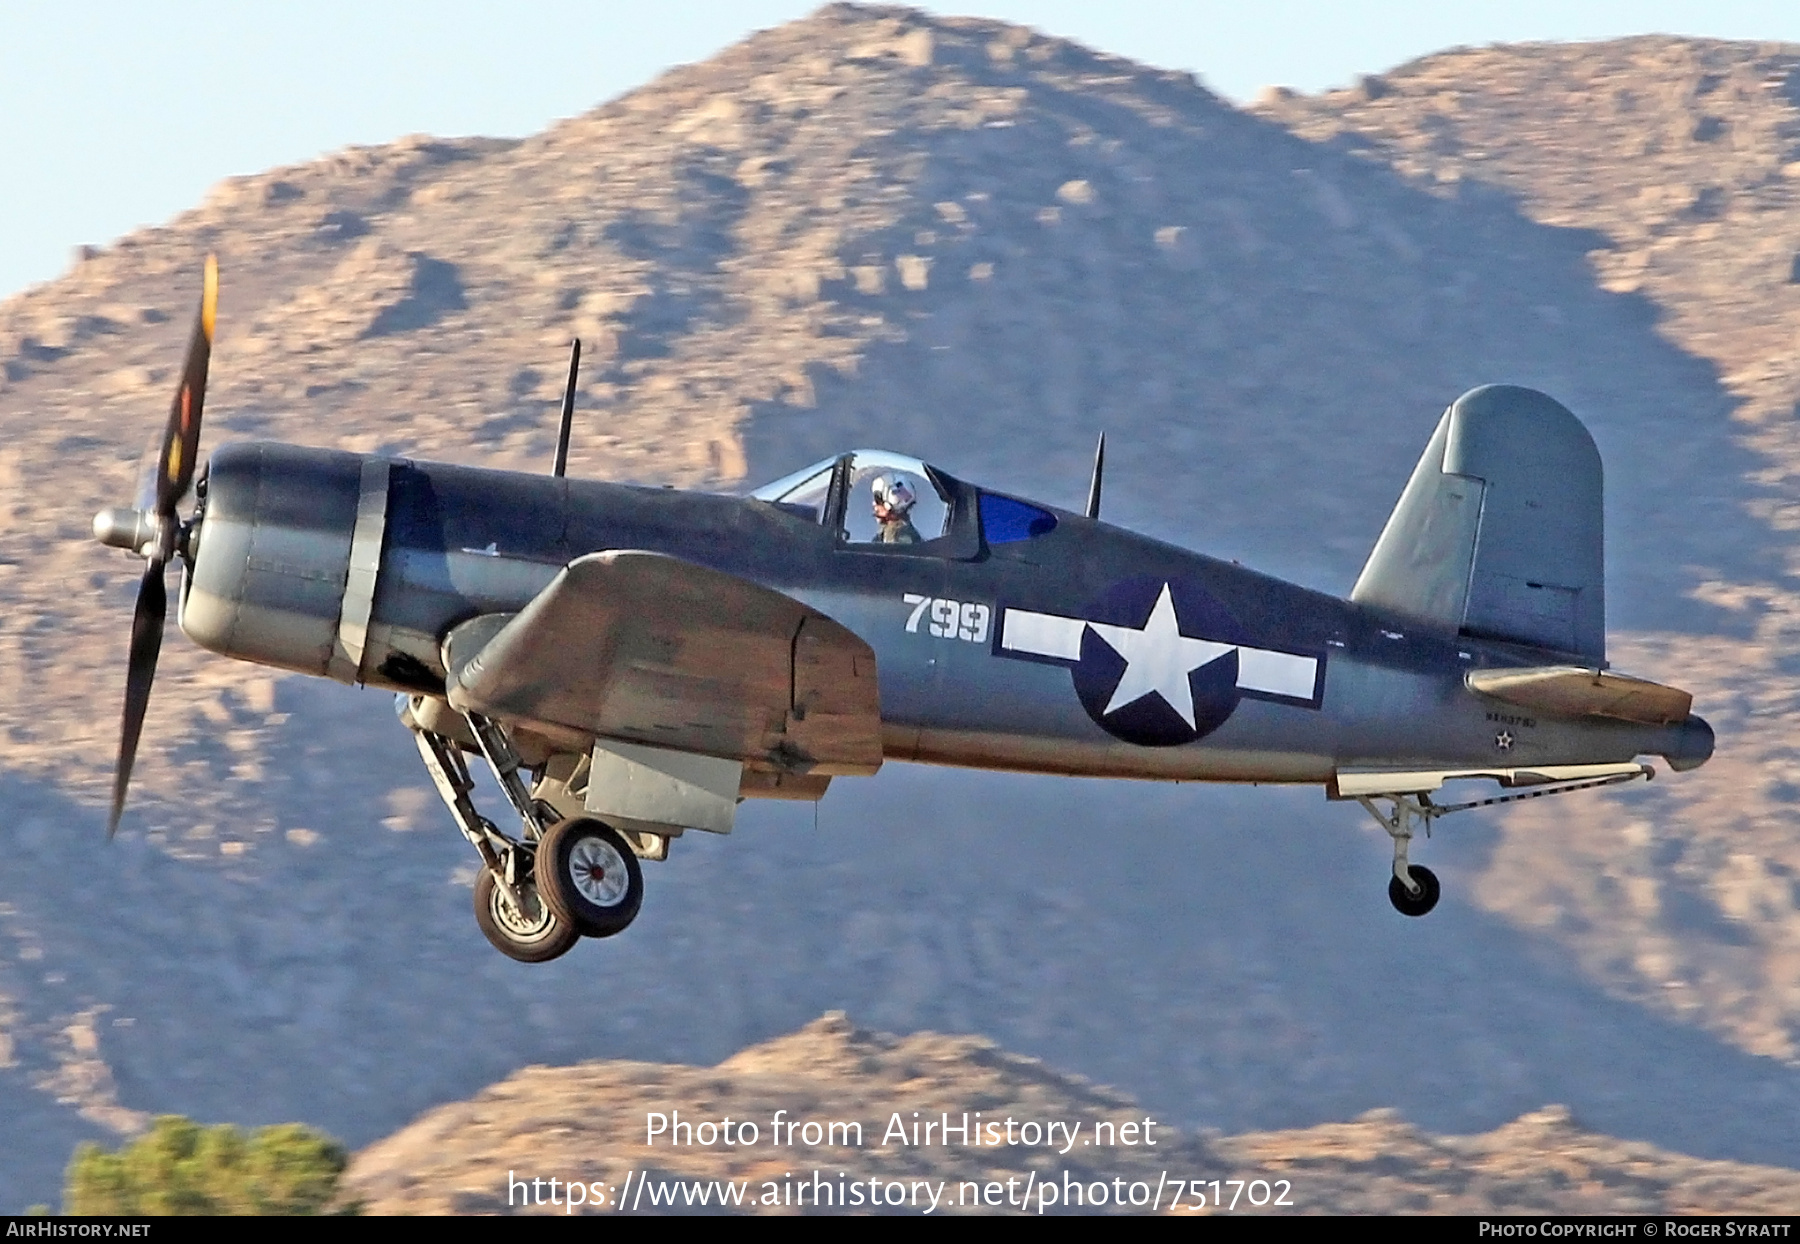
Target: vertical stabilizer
(1500, 532)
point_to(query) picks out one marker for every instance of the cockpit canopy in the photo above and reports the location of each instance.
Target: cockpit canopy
(888, 501)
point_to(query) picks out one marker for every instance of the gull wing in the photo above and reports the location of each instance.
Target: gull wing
(652, 649)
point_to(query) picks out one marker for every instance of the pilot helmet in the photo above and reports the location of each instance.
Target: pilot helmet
(894, 492)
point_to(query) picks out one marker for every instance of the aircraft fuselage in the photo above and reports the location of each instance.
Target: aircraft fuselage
(1087, 650)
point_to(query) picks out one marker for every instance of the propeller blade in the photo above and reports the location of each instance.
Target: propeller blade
(149, 475)
(146, 643)
(181, 442)
(157, 524)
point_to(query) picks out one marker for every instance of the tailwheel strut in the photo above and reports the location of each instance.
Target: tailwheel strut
(1414, 889)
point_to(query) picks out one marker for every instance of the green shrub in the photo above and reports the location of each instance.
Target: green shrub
(180, 1167)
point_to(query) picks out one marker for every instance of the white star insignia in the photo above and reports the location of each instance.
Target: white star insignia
(1158, 659)
(1504, 740)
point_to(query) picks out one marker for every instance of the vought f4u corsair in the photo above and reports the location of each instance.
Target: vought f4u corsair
(633, 662)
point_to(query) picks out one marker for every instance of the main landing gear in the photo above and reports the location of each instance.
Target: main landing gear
(518, 923)
(589, 877)
(559, 881)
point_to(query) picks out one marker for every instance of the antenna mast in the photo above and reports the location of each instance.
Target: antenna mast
(568, 412)
(1093, 505)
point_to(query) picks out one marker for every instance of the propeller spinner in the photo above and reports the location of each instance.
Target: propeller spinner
(157, 534)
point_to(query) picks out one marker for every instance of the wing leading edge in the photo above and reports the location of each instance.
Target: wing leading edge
(652, 649)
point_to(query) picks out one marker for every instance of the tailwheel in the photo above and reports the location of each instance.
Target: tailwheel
(589, 877)
(1414, 888)
(533, 935)
(1405, 901)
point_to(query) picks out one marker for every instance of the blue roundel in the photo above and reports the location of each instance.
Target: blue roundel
(1159, 662)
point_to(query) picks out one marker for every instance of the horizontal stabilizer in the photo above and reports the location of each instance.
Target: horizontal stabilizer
(655, 650)
(1573, 691)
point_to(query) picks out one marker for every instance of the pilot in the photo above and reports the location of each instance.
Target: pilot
(894, 499)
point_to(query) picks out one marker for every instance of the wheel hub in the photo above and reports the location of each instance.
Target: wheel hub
(599, 872)
(529, 923)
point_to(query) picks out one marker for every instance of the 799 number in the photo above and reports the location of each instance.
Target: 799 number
(950, 619)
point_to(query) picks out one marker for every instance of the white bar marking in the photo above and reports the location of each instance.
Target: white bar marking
(1277, 673)
(1042, 634)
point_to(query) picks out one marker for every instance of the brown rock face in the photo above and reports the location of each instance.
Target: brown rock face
(609, 1132)
(977, 244)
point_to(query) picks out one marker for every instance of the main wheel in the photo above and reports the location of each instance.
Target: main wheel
(589, 877)
(536, 935)
(1405, 901)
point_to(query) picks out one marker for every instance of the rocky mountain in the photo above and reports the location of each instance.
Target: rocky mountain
(1681, 160)
(974, 243)
(1022, 1138)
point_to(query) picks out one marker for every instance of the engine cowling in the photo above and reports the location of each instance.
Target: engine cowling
(271, 556)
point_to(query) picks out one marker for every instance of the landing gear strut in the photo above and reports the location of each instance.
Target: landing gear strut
(509, 909)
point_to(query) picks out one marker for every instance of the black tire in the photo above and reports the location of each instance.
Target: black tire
(1409, 904)
(529, 941)
(590, 877)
